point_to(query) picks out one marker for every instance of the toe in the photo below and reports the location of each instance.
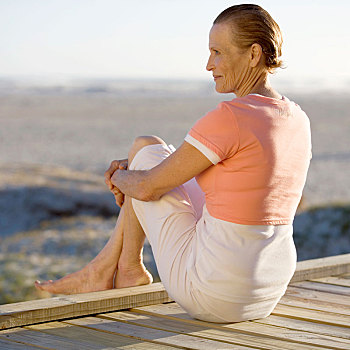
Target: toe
(43, 285)
(38, 285)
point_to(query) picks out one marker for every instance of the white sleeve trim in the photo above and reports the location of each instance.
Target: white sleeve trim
(211, 155)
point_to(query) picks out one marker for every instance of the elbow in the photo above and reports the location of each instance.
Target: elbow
(148, 196)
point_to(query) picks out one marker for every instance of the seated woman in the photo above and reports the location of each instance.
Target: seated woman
(218, 211)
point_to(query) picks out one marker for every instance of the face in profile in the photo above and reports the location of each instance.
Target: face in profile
(228, 63)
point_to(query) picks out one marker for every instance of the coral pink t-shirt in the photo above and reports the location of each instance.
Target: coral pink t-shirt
(261, 149)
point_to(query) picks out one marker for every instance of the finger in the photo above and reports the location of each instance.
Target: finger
(109, 184)
(114, 177)
(123, 165)
(115, 190)
(119, 199)
(108, 174)
(112, 168)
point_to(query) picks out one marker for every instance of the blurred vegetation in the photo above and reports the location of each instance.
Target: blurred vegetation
(322, 231)
(50, 252)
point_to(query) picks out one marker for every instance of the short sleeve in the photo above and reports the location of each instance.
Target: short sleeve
(217, 131)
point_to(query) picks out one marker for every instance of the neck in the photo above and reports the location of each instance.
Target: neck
(257, 82)
(264, 88)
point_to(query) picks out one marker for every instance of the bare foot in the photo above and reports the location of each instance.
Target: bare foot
(132, 276)
(96, 275)
(89, 279)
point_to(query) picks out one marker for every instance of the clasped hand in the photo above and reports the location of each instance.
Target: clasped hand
(115, 165)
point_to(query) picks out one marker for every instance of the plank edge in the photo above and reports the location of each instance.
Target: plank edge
(322, 267)
(38, 311)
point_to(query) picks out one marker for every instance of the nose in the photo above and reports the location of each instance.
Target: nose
(210, 64)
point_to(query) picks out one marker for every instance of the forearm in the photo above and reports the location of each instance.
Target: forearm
(135, 184)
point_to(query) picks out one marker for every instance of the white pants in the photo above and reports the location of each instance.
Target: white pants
(170, 226)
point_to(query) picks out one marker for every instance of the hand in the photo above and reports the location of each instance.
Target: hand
(115, 165)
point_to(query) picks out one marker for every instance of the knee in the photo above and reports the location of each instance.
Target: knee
(142, 141)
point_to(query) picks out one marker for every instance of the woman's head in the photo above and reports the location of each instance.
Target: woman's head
(252, 24)
(250, 47)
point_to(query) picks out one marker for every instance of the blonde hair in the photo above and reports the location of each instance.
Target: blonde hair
(252, 24)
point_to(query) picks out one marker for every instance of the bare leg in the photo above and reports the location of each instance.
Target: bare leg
(131, 270)
(98, 274)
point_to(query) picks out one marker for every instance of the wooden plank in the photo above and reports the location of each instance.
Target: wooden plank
(324, 287)
(341, 300)
(47, 340)
(177, 326)
(95, 338)
(269, 338)
(333, 280)
(43, 310)
(312, 315)
(263, 334)
(305, 326)
(150, 334)
(32, 338)
(14, 345)
(323, 267)
(315, 305)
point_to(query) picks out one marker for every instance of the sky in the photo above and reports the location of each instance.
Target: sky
(138, 39)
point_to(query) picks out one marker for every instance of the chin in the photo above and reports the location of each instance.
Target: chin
(222, 90)
(219, 89)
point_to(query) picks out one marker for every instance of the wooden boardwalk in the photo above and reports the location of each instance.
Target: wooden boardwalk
(314, 313)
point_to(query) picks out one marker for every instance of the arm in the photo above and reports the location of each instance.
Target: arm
(148, 185)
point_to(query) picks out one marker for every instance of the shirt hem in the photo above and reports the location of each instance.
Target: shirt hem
(196, 135)
(211, 155)
(253, 221)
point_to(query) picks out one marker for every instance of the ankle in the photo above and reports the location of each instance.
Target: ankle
(127, 265)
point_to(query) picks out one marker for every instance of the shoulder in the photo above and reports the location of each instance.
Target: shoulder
(228, 108)
(298, 111)
(225, 116)
(220, 117)
(239, 104)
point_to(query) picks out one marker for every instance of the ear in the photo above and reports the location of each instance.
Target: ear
(255, 55)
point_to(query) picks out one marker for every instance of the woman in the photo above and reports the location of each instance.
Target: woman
(224, 249)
